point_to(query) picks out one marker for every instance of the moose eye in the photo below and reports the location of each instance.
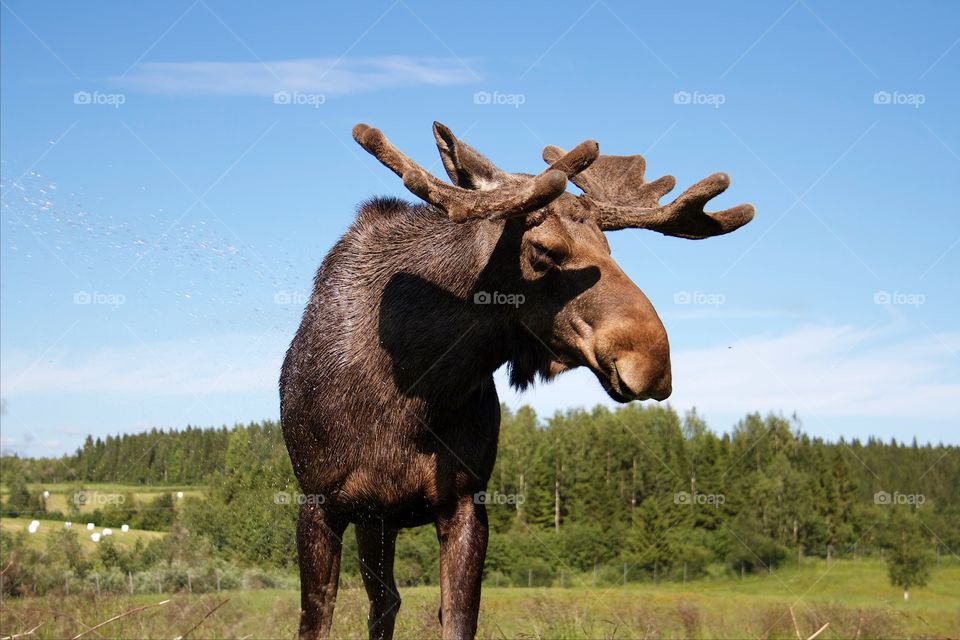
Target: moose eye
(545, 257)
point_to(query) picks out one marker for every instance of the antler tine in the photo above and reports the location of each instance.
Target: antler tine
(685, 217)
(616, 187)
(517, 198)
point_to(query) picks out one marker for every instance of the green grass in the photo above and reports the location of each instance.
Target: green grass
(853, 596)
(101, 493)
(38, 540)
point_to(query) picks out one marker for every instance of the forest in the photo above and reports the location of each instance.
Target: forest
(604, 496)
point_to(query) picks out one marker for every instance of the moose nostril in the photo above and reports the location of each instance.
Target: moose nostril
(641, 378)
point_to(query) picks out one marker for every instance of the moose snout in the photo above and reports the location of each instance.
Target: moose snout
(638, 376)
(633, 353)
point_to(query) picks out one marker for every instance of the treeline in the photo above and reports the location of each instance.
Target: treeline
(667, 497)
(116, 510)
(175, 562)
(639, 493)
(187, 456)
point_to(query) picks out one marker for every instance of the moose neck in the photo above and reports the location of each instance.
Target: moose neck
(447, 316)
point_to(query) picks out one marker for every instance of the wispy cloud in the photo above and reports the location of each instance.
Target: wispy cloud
(826, 373)
(333, 76)
(825, 370)
(820, 371)
(196, 367)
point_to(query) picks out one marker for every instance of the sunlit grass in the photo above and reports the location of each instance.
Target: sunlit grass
(854, 597)
(100, 494)
(38, 540)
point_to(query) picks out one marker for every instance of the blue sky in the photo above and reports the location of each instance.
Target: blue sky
(164, 210)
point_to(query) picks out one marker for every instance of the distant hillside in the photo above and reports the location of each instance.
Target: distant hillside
(153, 457)
(635, 493)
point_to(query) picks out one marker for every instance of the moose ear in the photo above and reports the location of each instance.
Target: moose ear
(466, 166)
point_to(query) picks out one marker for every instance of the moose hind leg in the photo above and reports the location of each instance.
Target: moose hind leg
(377, 544)
(319, 542)
(462, 530)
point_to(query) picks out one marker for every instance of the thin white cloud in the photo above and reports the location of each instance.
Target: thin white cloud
(823, 372)
(230, 363)
(820, 371)
(328, 76)
(836, 371)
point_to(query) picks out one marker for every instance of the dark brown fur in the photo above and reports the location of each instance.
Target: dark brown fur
(388, 404)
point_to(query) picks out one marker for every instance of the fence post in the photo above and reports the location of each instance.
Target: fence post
(218, 580)
(742, 570)
(594, 574)
(189, 582)
(130, 581)
(529, 578)
(66, 583)
(96, 577)
(158, 582)
(684, 573)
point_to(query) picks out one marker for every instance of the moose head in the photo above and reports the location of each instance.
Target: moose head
(588, 312)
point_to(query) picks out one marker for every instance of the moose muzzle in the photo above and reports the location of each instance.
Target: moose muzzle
(631, 350)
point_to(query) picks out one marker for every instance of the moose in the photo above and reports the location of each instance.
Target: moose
(388, 405)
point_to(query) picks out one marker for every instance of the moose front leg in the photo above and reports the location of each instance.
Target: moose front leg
(319, 542)
(462, 530)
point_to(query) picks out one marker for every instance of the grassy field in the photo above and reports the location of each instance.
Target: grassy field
(854, 597)
(100, 494)
(38, 540)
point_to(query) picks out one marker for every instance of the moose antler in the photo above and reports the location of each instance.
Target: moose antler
(517, 196)
(615, 186)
